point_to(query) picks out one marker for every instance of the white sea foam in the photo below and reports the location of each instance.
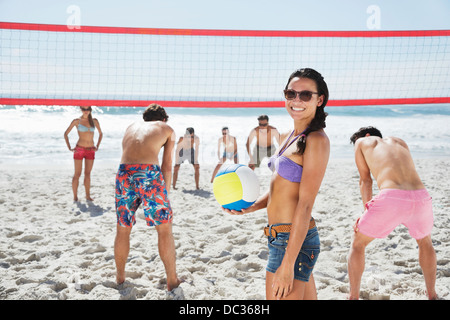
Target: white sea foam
(34, 134)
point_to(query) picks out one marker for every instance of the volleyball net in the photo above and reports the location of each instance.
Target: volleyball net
(113, 66)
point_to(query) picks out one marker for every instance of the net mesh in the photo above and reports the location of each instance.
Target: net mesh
(49, 64)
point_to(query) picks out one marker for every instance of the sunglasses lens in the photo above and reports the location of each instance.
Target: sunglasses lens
(290, 94)
(305, 95)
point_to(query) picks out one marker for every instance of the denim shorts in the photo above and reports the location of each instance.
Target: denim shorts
(306, 259)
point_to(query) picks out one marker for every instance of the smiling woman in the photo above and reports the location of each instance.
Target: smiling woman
(289, 271)
(293, 239)
(309, 79)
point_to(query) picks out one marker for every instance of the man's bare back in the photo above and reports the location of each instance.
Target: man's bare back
(143, 141)
(389, 161)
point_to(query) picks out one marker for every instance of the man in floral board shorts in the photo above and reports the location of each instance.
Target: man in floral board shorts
(402, 199)
(141, 180)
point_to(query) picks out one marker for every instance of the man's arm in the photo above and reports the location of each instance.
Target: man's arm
(218, 148)
(277, 135)
(166, 166)
(178, 148)
(250, 138)
(235, 149)
(365, 179)
(196, 148)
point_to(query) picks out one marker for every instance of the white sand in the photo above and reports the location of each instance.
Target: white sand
(52, 248)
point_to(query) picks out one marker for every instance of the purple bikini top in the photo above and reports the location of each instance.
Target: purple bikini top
(284, 166)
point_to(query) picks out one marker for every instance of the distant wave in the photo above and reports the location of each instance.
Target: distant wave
(372, 111)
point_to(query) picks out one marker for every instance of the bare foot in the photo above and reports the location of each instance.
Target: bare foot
(171, 286)
(433, 297)
(120, 279)
(89, 199)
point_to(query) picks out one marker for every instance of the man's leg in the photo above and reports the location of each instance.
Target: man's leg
(356, 263)
(216, 169)
(197, 175)
(427, 261)
(166, 247)
(175, 175)
(121, 250)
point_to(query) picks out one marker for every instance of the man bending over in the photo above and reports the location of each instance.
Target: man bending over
(402, 199)
(140, 179)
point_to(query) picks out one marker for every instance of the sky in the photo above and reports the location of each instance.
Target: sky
(237, 14)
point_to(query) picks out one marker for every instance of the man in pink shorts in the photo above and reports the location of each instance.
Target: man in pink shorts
(402, 199)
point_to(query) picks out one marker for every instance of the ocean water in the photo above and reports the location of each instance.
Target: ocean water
(31, 135)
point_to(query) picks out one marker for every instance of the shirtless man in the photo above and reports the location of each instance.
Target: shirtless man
(140, 179)
(187, 149)
(402, 199)
(228, 144)
(264, 147)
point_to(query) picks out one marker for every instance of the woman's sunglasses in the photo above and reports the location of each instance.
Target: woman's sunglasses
(86, 109)
(304, 95)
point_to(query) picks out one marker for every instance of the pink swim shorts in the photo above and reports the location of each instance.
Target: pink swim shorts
(392, 207)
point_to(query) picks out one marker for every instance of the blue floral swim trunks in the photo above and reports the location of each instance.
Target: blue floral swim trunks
(141, 183)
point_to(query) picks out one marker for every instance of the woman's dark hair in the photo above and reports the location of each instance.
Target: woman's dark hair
(362, 133)
(319, 119)
(155, 112)
(91, 121)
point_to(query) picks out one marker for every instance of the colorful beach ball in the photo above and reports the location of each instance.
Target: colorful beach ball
(236, 187)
